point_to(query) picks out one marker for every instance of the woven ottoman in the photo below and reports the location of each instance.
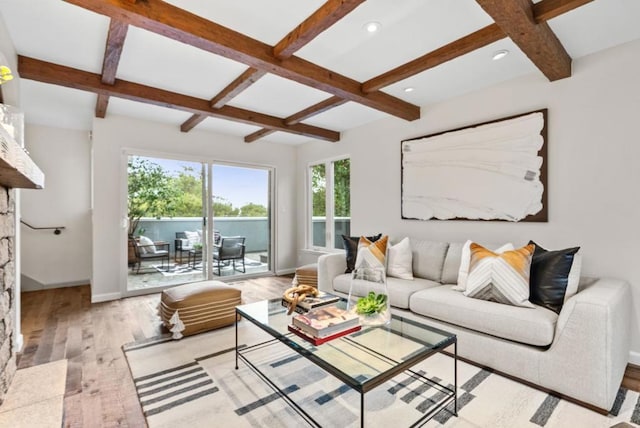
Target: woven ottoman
(307, 275)
(200, 306)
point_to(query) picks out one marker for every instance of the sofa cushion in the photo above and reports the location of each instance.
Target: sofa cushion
(465, 261)
(530, 326)
(428, 258)
(500, 277)
(400, 260)
(452, 263)
(550, 276)
(372, 254)
(350, 244)
(400, 290)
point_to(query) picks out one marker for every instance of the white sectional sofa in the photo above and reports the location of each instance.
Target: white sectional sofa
(580, 353)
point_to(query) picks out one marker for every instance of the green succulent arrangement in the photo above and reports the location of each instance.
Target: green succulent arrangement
(371, 304)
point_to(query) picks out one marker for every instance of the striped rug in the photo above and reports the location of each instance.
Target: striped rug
(193, 383)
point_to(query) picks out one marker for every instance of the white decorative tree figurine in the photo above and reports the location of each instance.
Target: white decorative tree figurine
(178, 326)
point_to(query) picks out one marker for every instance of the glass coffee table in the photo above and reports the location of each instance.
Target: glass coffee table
(362, 360)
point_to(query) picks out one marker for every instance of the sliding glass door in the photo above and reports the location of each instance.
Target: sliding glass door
(190, 221)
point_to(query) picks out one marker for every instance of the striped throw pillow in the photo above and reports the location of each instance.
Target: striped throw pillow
(372, 254)
(502, 278)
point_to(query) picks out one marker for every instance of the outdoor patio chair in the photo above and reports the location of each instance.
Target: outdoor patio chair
(156, 251)
(230, 249)
(183, 247)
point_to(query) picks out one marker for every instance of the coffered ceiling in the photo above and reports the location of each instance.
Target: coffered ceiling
(289, 71)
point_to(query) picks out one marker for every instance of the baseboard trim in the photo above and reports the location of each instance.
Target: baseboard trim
(634, 358)
(106, 297)
(33, 285)
(285, 271)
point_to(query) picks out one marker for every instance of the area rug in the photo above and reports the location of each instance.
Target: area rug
(176, 269)
(193, 383)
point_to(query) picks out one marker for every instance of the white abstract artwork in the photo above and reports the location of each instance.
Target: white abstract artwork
(492, 171)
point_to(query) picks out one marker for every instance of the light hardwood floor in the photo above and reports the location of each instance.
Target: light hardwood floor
(62, 323)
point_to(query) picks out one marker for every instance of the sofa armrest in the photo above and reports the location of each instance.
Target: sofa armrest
(590, 349)
(330, 266)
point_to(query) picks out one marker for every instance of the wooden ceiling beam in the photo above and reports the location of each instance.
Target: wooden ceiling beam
(112, 52)
(544, 10)
(242, 82)
(178, 24)
(537, 41)
(327, 15)
(42, 71)
(549, 9)
(258, 134)
(315, 109)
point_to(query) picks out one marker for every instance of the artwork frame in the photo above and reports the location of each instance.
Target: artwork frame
(464, 173)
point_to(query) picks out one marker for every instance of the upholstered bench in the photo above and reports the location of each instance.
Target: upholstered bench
(201, 306)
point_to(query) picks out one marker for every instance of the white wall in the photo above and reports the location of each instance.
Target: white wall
(113, 135)
(50, 260)
(593, 152)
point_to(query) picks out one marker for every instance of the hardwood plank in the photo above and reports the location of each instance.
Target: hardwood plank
(46, 72)
(178, 24)
(327, 15)
(536, 40)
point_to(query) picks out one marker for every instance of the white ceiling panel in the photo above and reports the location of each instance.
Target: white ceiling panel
(122, 107)
(267, 21)
(227, 127)
(465, 74)
(410, 29)
(157, 61)
(55, 31)
(285, 138)
(346, 116)
(598, 25)
(278, 96)
(56, 106)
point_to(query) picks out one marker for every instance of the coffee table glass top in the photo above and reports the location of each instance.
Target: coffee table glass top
(363, 359)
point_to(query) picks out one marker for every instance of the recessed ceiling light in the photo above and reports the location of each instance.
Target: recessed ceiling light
(372, 26)
(500, 54)
(409, 89)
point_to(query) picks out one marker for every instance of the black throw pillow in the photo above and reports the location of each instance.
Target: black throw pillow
(350, 244)
(549, 276)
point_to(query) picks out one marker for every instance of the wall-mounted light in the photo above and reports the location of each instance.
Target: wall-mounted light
(500, 54)
(5, 74)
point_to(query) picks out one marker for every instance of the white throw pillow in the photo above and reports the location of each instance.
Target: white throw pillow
(400, 260)
(573, 280)
(193, 238)
(465, 258)
(146, 245)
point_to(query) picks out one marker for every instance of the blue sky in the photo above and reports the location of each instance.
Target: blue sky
(236, 184)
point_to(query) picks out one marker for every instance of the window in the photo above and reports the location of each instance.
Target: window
(330, 203)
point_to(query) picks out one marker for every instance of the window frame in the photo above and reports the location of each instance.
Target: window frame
(329, 203)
